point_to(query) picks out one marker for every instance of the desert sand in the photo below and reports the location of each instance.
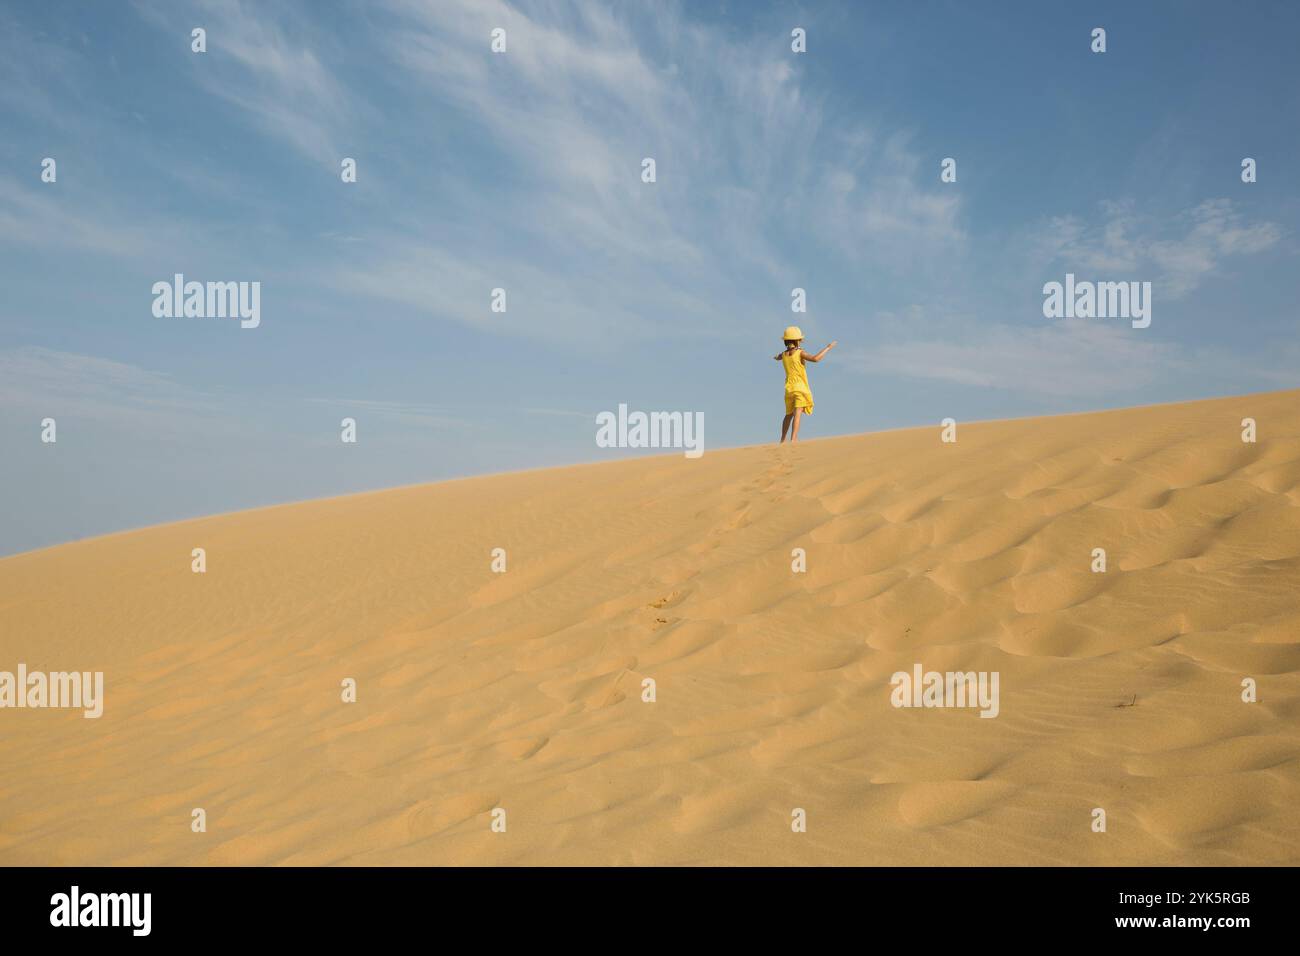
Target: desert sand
(522, 690)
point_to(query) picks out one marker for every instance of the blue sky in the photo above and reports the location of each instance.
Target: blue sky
(521, 170)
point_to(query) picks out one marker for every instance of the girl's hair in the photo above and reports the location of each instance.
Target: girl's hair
(790, 342)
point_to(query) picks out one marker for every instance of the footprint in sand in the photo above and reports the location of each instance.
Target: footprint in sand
(667, 601)
(771, 478)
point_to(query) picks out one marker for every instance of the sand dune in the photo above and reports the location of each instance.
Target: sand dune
(476, 690)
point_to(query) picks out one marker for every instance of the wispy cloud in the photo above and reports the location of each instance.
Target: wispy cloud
(560, 413)
(747, 170)
(44, 216)
(1176, 253)
(413, 413)
(266, 63)
(49, 382)
(1070, 358)
(45, 94)
(750, 175)
(540, 304)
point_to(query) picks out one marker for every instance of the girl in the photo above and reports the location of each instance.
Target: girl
(798, 395)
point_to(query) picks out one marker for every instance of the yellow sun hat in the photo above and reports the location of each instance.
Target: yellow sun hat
(793, 332)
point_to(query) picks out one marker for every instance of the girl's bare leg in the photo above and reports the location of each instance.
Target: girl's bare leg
(785, 426)
(794, 430)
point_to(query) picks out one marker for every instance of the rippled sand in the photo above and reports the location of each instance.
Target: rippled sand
(476, 690)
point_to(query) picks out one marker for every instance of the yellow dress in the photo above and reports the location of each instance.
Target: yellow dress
(798, 394)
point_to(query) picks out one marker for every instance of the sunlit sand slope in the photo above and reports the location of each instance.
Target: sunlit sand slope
(522, 690)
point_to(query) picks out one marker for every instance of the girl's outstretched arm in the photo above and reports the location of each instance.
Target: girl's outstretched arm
(818, 357)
